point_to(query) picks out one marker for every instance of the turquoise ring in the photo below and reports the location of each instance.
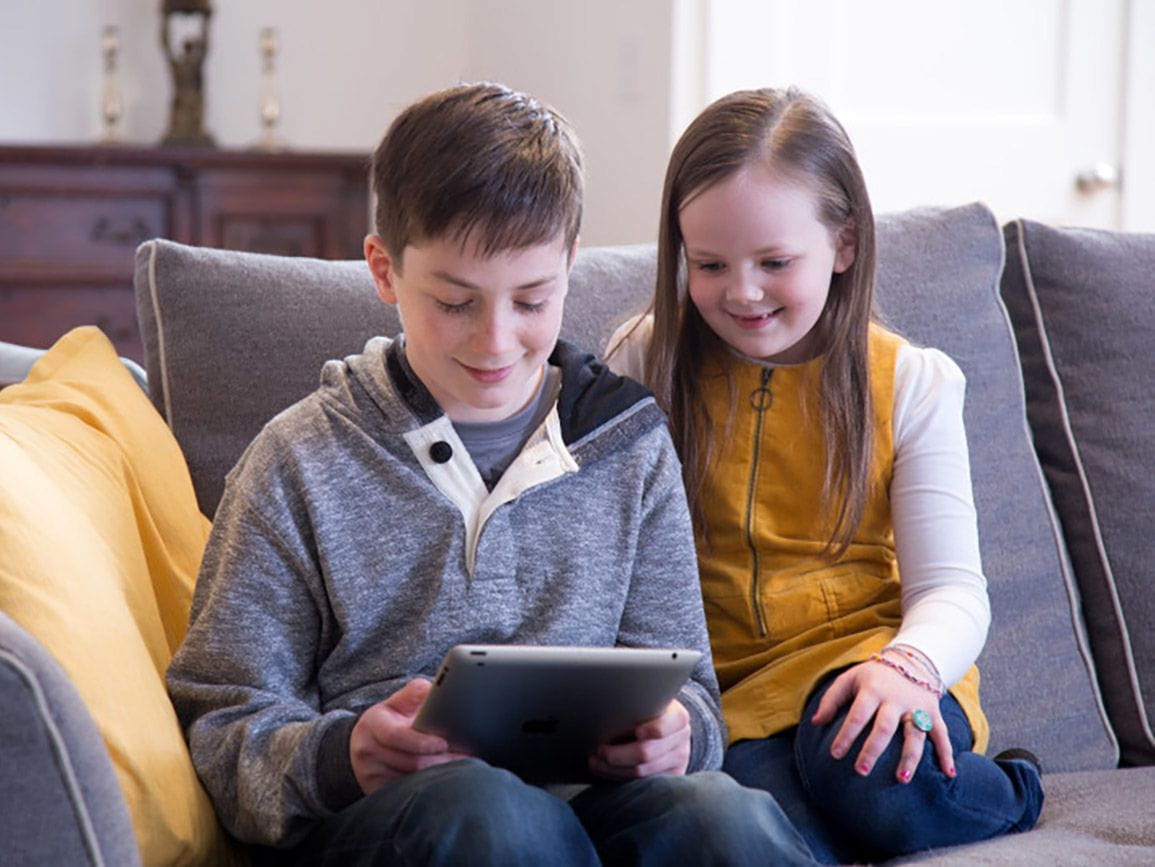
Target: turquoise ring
(921, 720)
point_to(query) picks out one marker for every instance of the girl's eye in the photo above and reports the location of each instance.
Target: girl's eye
(453, 308)
(531, 306)
(774, 264)
(709, 267)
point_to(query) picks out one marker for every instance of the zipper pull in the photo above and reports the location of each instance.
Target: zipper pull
(761, 398)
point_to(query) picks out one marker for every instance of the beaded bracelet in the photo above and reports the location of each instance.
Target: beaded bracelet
(920, 660)
(890, 663)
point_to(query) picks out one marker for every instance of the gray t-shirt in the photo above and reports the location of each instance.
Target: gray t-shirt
(494, 444)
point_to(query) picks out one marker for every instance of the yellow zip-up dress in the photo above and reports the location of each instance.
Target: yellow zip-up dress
(780, 616)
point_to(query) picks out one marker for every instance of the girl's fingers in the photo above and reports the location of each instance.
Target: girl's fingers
(913, 742)
(840, 692)
(886, 723)
(940, 737)
(862, 710)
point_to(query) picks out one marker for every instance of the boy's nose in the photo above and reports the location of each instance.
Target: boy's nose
(495, 334)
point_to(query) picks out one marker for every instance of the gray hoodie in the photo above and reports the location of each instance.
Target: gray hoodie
(349, 554)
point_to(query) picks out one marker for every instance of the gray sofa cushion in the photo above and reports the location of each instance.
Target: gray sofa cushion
(69, 809)
(938, 284)
(1089, 818)
(231, 338)
(1083, 304)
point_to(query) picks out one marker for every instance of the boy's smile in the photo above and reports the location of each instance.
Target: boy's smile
(478, 328)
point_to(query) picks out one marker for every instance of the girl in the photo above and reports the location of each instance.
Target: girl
(826, 465)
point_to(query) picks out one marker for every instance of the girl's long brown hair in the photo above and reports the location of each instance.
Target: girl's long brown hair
(793, 134)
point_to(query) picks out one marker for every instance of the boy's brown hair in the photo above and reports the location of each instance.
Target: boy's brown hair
(479, 162)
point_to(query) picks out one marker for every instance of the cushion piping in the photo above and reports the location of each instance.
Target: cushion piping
(161, 354)
(63, 759)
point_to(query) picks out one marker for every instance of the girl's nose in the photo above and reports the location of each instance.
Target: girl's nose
(744, 286)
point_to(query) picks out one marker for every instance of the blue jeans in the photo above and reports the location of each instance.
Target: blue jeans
(845, 817)
(468, 812)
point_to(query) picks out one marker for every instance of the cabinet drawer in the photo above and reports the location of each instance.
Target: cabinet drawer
(39, 316)
(39, 230)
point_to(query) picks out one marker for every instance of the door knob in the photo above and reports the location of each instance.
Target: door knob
(1100, 176)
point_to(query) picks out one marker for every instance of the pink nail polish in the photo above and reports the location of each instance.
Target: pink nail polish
(951, 772)
(864, 769)
(904, 776)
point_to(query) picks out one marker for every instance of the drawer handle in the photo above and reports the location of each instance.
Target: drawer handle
(104, 232)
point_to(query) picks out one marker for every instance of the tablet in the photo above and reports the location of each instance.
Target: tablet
(541, 711)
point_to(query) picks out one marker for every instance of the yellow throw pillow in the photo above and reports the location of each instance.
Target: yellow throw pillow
(100, 543)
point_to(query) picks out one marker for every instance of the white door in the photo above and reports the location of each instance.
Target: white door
(1033, 106)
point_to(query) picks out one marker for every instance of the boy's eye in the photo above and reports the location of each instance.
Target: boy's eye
(446, 307)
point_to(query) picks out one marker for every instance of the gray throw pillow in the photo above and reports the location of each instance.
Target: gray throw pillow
(1083, 306)
(938, 283)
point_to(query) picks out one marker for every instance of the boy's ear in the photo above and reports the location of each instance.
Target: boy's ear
(573, 254)
(845, 244)
(382, 267)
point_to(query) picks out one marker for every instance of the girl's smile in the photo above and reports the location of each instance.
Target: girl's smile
(754, 321)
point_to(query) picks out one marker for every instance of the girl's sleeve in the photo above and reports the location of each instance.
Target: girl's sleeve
(946, 610)
(625, 352)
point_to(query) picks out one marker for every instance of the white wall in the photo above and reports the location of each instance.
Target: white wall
(345, 68)
(605, 65)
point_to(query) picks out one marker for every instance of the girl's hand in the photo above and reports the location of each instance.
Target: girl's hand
(880, 693)
(660, 746)
(384, 744)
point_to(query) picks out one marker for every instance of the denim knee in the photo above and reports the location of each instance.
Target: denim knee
(471, 810)
(933, 809)
(708, 818)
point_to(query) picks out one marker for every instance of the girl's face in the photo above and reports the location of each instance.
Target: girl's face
(760, 262)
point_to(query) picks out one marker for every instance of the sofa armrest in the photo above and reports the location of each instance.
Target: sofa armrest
(62, 802)
(16, 360)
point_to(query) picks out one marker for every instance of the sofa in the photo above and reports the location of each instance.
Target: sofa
(1051, 325)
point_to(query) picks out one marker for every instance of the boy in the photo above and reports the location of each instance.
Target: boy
(467, 482)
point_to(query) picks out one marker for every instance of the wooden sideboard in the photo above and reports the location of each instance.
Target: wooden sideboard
(72, 217)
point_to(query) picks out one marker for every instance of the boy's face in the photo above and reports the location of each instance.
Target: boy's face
(478, 329)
